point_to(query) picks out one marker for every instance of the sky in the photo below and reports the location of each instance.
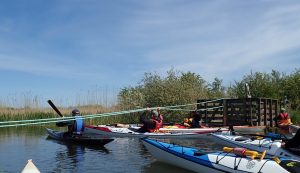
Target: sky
(74, 51)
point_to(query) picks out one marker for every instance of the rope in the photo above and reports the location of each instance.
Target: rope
(63, 119)
(217, 107)
(46, 119)
(193, 103)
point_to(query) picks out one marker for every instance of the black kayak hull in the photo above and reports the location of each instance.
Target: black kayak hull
(83, 140)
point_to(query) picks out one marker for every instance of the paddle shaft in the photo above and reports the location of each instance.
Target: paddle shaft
(55, 108)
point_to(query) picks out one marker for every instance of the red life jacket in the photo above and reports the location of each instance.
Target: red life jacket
(158, 124)
(283, 116)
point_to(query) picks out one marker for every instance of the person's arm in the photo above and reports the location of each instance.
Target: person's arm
(64, 123)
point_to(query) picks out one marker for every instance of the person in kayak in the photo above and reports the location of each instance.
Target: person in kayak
(151, 124)
(283, 118)
(75, 127)
(193, 121)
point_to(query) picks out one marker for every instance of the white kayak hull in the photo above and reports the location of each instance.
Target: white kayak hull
(184, 157)
(272, 147)
(109, 131)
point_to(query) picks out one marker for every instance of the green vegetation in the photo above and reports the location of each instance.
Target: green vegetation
(176, 88)
(28, 116)
(183, 88)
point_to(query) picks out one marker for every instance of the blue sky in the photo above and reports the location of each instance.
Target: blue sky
(70, 50)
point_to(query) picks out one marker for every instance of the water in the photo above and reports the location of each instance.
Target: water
(17, 145)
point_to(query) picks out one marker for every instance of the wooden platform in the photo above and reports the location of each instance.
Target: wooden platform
(238, 112)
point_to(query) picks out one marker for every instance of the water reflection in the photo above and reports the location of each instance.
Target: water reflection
(71, 146)
(163, 167)
(72, 157)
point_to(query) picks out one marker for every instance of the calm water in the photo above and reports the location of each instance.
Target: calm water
(17, 145)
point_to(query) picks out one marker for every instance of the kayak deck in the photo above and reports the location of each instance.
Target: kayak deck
(195, 160)
(132, 132)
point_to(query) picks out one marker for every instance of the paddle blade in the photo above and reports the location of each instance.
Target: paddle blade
(55, 108)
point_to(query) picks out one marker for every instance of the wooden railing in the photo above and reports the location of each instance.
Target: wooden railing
(244, 111)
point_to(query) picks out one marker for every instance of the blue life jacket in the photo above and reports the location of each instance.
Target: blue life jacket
(79, 125)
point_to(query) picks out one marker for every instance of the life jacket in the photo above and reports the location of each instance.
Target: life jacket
(283, 119)
(158, 124)
(283, 116)
(78, 125)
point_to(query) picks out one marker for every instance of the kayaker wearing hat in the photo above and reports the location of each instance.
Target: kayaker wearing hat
(75, 127)
(153, 123)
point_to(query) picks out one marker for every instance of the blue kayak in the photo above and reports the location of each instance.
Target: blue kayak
(197, 161)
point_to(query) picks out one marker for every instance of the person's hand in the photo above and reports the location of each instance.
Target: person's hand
(158, 109)
(147, 109)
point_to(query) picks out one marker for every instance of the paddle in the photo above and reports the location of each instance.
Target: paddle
(59, 124)
(55, 108)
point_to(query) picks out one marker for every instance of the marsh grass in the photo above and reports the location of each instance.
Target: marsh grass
(14, 114)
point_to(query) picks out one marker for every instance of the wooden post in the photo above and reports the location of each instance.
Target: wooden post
(276, 108)
(271, 113)
(265, 112)
(250, 112)
(258, 111)
(205, 105)
(245, 114)
(225, 112)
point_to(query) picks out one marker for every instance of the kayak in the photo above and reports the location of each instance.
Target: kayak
(30, 168)
(252, 129)
(202, 130)
(84, 139)
(293, 128)
(197, 161)
(110, 131)
(272, 147)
